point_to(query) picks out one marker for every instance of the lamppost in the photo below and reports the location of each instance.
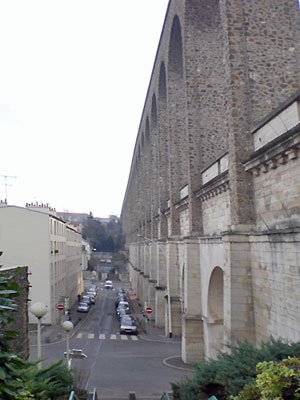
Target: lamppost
(68, 326)
(168, 282)
(38, 310)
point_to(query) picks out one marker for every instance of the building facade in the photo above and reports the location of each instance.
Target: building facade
(211, 213)
(34, 236)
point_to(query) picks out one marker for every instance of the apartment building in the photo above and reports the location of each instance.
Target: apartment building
(34, 236)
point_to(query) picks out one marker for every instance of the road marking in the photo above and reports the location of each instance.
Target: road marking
(103, 336)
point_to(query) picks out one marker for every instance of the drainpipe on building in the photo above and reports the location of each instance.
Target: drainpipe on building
(169, 305)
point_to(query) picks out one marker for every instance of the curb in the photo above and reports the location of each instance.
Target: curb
(165, 362)
(149, 339)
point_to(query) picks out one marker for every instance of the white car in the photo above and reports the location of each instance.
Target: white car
(128, 326)
(108, 284)
(83, 307)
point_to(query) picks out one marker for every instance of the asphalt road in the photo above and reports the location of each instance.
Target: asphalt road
(116, 364)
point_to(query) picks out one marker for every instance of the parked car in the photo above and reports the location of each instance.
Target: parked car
(122, 296)
(121, 312)
(86, 299)
(123, 307)
(91, 293)
(108, 284)
(93, 288)
(128, 326)
(92, 297)
(128, 317)
(123, 303)
(83, 307)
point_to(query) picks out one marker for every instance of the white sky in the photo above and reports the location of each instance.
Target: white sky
(73, 81)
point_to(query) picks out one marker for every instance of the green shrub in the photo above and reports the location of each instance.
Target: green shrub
(231, 372)
(276, 380)
(49, 382)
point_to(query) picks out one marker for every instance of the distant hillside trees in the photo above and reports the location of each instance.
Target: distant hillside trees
(103, 237)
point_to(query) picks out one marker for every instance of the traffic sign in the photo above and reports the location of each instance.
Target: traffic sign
(60, 307)
(149, 310)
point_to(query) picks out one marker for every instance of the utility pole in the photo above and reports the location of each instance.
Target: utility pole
(5, 182)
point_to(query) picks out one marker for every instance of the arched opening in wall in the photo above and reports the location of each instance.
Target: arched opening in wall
(143, 139)
(177, 113)
(147, 177)
(154, 112)
(147, 130)
(155, 166)
(163, 153)
(175, 50)
(162, 84)
(215, 317)
(215, 295)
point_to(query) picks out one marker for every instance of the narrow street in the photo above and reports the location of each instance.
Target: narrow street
(116, 364)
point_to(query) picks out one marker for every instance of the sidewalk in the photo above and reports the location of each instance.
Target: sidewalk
(147, 331)
(56, 333)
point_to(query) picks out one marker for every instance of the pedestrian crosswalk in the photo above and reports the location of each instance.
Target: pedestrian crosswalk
(103, 336)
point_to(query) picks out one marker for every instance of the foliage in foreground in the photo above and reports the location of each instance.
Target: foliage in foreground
(19, 378)
(49, 382)
(276, 380)
(231, 372)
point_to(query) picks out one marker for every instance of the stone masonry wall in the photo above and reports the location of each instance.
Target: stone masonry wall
(276, 282)
(210, 168)
(216, 214)
(277, 204)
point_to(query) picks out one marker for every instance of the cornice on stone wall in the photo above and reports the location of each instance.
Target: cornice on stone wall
(216, 186)
(276, 153)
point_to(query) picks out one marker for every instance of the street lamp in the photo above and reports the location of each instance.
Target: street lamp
(68, 326)
(38, 310)
(168, 282)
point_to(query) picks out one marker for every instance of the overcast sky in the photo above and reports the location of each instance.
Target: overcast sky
(73, 81)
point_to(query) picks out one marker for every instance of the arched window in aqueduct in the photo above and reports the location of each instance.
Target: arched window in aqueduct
(215, 296)
(215, 307)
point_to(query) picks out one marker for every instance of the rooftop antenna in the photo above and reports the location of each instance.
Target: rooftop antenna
(5, 182)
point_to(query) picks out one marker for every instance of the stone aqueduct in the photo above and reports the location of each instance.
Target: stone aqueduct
(211, 212)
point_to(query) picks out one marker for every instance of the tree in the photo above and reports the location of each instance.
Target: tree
(103, 237)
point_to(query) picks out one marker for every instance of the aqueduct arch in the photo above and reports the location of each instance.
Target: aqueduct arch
(215, 313)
